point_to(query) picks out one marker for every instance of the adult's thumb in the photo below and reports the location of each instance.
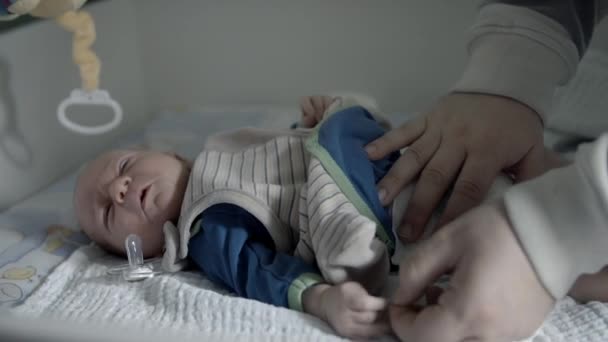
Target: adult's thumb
(429, 261)
(536, 162)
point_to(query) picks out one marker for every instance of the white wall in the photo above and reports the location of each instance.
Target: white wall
(405, 53)
(36, 73)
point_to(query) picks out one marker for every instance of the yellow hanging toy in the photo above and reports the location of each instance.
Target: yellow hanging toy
(81, 24)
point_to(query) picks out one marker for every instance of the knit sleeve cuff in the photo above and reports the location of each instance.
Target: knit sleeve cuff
(297, 288)
(560, 218)
(518, 53)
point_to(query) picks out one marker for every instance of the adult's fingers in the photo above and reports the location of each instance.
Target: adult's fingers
(397, 138)
(434, 181)
(408, 166)
(432, 294)
(365, 331)
(366, 317)
(536, 162)
(433, 324)
(369, 303)
(470, 188)
(429, 260)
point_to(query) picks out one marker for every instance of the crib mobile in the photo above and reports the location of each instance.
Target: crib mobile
(68, 15)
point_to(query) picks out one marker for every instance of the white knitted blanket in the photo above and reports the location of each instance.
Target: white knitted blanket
(186, 302)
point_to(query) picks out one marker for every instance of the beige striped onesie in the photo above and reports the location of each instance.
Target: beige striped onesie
(272, 175)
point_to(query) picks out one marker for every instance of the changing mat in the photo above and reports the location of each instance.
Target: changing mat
(36, 236)
(186, 303)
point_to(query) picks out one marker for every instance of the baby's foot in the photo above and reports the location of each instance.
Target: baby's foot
(349, 309)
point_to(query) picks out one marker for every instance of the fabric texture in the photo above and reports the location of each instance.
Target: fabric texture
(185, 303)
(275, 179)
(344, 136)
(577, 17)
(253, 179)
(190, 305)
(234, 249)
(581, 107)
(518, 53)
(4, 5)
(341, 240)
(560, 218)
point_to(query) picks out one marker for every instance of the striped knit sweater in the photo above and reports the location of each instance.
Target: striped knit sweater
(273, 176)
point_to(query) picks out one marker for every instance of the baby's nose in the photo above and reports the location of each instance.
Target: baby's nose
(119, 188)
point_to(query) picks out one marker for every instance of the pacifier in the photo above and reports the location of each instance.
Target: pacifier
(137, 269)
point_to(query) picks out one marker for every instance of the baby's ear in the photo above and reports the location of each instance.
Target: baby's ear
(178, 157)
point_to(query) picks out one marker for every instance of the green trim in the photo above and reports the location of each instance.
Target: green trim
(297, 288)
(313, 146)
(196, 227)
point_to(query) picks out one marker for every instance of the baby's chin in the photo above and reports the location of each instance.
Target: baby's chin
(153, 245)
(153, 252)
(150, 249)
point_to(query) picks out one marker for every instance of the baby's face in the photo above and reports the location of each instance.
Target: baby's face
(130, 192)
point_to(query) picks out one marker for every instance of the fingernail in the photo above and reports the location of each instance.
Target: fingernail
(370, 149)
(382, 195)
(405, 233)
(416, 234)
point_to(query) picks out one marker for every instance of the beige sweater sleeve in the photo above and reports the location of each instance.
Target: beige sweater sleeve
(518, 53)
(561, 218)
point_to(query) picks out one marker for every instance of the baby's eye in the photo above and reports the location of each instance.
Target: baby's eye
(106, 215)
(123, 165)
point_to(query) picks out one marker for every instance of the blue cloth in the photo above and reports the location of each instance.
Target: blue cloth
(234, 250)
(344, 135)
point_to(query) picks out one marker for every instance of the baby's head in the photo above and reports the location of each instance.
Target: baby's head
(126, 192)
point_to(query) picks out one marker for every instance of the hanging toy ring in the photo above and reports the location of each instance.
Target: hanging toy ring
(97, 98)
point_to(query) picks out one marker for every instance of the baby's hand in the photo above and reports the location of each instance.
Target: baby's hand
(349, 309)
(591, 287)
(313, 108)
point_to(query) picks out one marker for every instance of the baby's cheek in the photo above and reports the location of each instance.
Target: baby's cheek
(121, 231)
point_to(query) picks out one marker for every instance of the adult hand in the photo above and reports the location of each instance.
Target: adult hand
(493, 292)
(466, 141)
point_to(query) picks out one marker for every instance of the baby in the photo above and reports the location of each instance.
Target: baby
(289, 217)
(258, 213)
